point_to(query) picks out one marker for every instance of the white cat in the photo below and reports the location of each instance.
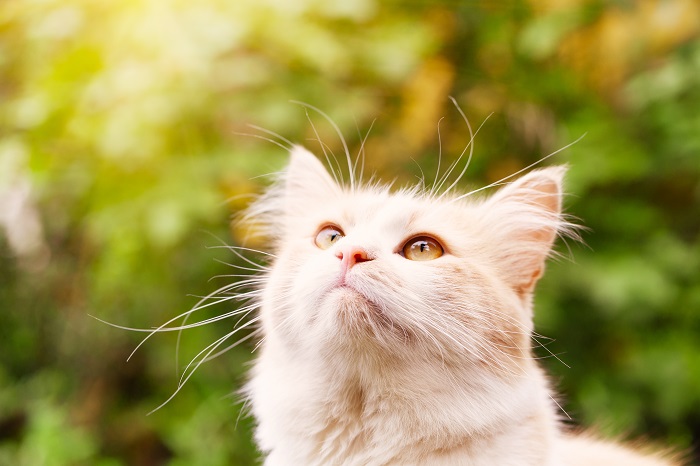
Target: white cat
(397, 327)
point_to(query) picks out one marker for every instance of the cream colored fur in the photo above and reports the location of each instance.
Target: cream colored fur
(410, 362)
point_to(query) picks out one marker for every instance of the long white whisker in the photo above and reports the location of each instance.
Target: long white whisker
(560, 407)
(323, 147)
(290, 144)
(241, 248)
(351, 167)
(229, 348)
(194, 363)
(249, 278)
(186, 376)
(437, 172)
(470, 145)
(240, 267)
(361, 152)
(258, 136)
(534, 164)
(236, 250)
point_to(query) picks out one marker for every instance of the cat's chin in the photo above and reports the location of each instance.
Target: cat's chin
(355, 313)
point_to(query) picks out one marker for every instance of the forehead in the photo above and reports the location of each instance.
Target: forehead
(402, 213)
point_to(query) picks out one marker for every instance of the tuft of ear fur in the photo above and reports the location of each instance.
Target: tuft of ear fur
(304, 183)
(527, 218)
(306, 180)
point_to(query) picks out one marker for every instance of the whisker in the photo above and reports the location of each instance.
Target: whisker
(534, 164)
(290, 144)
(240, 267)
(361, 152)
(323, 147)
(250, 278)
(560, 406)
(421, 179)
(258, 136)
(470, 146)
(186, 376)
(164, 327)
(437, 172)
(555, 356)
(198, 360)
(340, 136)
(258, 344)
(229, 348)
(236, 248)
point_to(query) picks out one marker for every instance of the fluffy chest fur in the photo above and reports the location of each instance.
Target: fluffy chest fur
(401, 417)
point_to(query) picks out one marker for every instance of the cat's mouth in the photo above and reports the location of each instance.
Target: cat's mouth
(356, 309)
(351, 292)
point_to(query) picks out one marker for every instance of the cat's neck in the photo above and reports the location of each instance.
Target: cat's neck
(399, 413)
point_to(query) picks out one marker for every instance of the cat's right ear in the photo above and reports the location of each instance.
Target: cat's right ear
(525, 219)
(306, 180)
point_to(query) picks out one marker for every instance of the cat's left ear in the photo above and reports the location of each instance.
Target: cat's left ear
(306, 180)
(529, 219)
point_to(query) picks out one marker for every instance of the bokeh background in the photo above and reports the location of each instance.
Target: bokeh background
(122, 165)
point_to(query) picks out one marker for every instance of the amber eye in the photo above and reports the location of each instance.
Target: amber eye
(328, 236)
(422, 248)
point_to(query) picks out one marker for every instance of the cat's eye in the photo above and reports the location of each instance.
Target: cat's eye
(328, 236)
(422, 248)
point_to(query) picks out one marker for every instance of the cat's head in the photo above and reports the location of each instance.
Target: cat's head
(365, 271)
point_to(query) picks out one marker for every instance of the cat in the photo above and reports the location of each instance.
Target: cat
(396, 326)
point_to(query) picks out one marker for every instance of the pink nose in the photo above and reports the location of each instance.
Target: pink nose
(350, 255)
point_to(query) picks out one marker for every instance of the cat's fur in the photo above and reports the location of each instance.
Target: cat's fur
(400, 362)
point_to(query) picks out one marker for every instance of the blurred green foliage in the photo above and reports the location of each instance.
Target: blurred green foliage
(121, 162)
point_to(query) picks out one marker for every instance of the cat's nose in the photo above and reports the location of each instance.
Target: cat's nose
(350, 255)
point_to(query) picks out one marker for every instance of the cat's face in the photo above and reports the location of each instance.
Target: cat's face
(406, 275)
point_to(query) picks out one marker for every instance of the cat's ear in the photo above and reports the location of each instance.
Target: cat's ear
(298, 191)
(529, 219)
(306, 180)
